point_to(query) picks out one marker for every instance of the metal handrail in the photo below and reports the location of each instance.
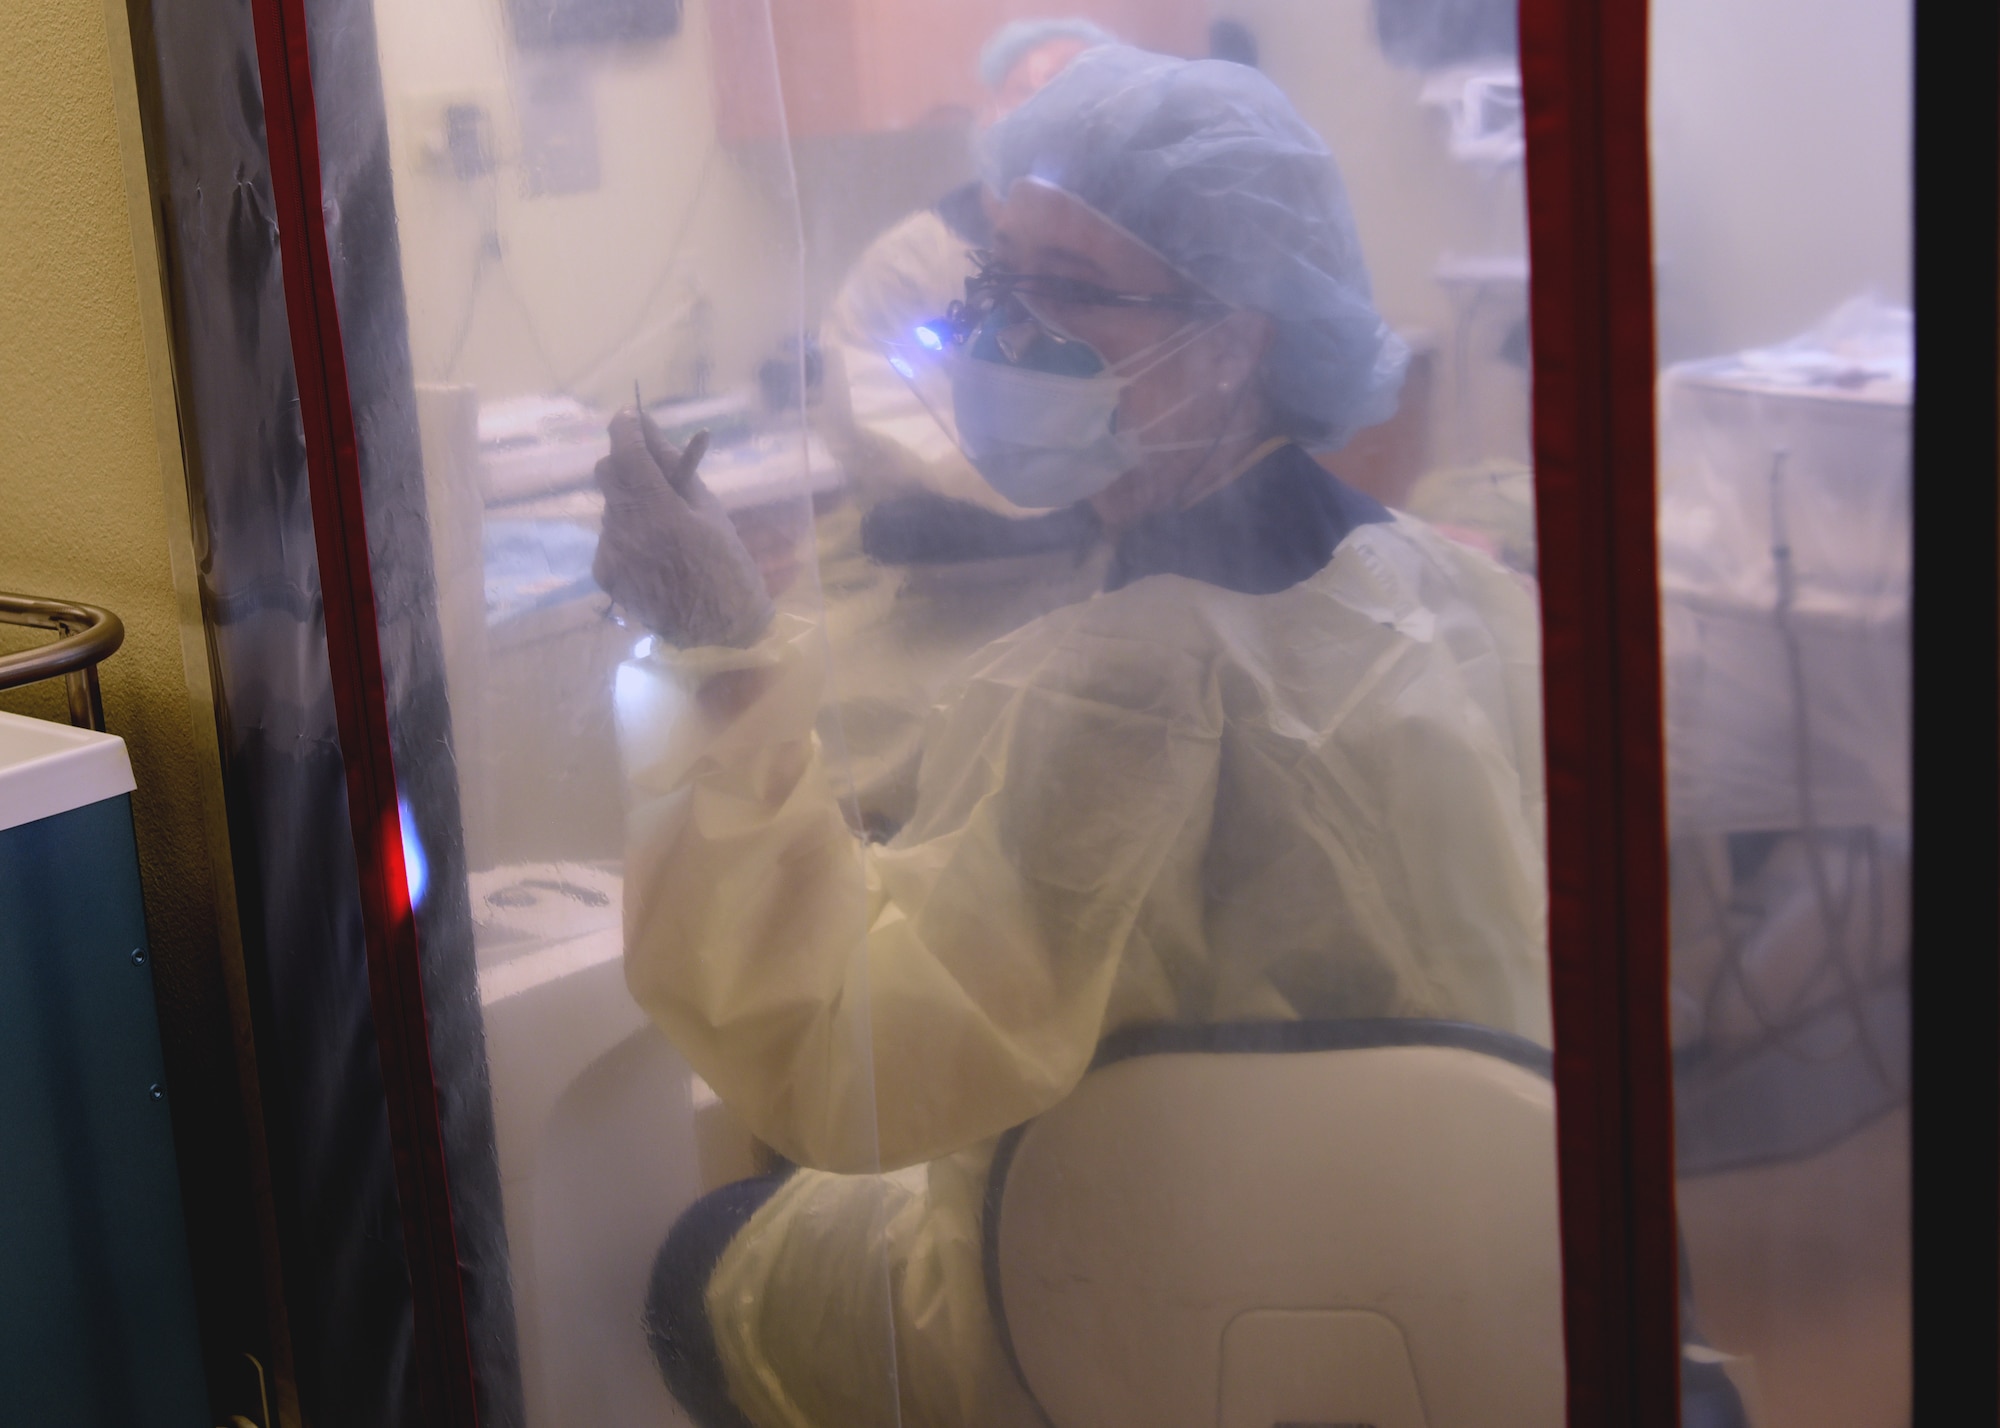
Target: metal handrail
(89, 636)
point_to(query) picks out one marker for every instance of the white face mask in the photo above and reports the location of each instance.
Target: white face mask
(1045, 439)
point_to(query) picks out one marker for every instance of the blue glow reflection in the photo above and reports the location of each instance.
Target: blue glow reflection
(416, 868)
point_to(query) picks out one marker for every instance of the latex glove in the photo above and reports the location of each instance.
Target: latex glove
(667, 551)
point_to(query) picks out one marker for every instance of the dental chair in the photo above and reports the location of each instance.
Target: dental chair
(1287, 1225)
(1335, 1224)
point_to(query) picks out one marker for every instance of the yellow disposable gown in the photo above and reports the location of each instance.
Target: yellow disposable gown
(1172, 801)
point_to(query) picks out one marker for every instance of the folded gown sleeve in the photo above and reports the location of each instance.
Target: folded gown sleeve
(866, 1008)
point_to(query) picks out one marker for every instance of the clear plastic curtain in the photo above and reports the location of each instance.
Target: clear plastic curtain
(750, 927)
(1781, 181)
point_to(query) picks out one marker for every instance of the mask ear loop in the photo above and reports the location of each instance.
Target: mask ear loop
(1151, 358)
(1147, 358)
(1215, 444)
(1228, 420)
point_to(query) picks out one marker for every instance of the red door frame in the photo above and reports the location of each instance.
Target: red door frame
(1584, 72)
(1584, 67)
(442, 1366)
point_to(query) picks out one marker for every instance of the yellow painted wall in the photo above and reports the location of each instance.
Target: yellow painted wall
(83, 509)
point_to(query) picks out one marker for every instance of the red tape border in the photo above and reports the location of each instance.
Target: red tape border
(1584, 71)
(443, 1359)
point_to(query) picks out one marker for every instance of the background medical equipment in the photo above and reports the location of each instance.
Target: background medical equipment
(1785, 575)
(1480, 488)
(1784, 536)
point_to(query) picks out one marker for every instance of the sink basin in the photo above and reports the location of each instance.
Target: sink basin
(48, 768)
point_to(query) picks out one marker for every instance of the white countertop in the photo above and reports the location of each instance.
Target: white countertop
(48, 768)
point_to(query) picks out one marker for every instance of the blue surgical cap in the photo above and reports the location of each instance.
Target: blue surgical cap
(1015, 41)
(1208, 164)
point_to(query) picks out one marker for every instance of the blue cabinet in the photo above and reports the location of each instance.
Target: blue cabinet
(97, 1322)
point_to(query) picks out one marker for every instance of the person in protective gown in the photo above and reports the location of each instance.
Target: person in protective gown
(951, 564)
(1285, 764)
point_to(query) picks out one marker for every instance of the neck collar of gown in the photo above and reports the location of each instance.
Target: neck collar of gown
(1272, 527)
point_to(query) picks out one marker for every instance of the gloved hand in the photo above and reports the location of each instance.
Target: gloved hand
(667, 552)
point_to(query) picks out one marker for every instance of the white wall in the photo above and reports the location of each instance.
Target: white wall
(1781, 180)
(1415, 206)
(566, 305)
(1414, 203)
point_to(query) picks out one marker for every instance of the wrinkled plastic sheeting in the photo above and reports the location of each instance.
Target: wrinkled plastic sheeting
(298, 900)
(363, 251)
(347, 1288)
